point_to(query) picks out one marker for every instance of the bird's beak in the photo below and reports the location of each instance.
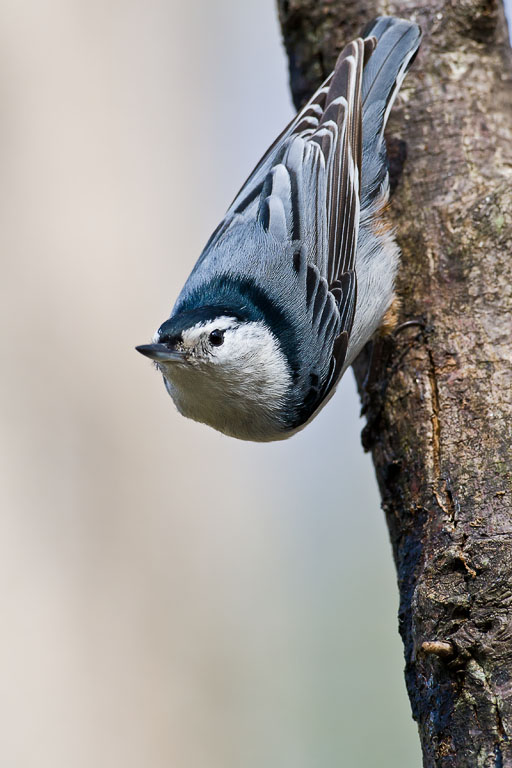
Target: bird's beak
(161, 354)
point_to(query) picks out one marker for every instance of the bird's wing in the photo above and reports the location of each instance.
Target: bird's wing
(311, 196)
(339, 136)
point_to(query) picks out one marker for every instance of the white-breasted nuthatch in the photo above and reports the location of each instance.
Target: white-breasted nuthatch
(300, 273)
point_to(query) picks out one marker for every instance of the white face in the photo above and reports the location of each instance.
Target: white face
(234, 377)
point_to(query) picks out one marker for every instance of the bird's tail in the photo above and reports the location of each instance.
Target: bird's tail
(397, 44)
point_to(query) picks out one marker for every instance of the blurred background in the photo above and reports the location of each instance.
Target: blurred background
(169, 596)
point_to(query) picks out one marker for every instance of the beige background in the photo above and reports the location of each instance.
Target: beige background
(169, 597)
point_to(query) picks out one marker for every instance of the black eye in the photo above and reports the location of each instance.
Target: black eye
(216, 338)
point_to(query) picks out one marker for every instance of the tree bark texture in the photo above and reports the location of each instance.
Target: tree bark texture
(439, 401)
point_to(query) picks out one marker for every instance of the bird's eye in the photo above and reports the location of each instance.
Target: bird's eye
(216, 338)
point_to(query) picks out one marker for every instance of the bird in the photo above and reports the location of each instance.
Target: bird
(300, 273)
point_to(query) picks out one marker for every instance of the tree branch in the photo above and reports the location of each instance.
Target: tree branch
(439, 406)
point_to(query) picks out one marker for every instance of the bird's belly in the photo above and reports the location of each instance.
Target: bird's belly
(236, 416)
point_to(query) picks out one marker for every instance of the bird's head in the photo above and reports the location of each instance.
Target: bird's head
(223, 369)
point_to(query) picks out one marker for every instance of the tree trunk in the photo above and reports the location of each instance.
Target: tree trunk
(439, 406)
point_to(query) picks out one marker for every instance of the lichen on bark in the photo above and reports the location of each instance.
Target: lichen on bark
(439, 409)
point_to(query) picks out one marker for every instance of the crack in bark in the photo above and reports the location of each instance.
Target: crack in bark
(440, 484)
(436, 426)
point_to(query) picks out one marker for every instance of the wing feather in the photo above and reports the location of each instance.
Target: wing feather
(306, 120)
(321, 156)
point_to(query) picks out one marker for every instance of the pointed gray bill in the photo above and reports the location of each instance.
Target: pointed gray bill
(160, 353)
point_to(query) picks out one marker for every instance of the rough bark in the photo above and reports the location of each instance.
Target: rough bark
(439, 407)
